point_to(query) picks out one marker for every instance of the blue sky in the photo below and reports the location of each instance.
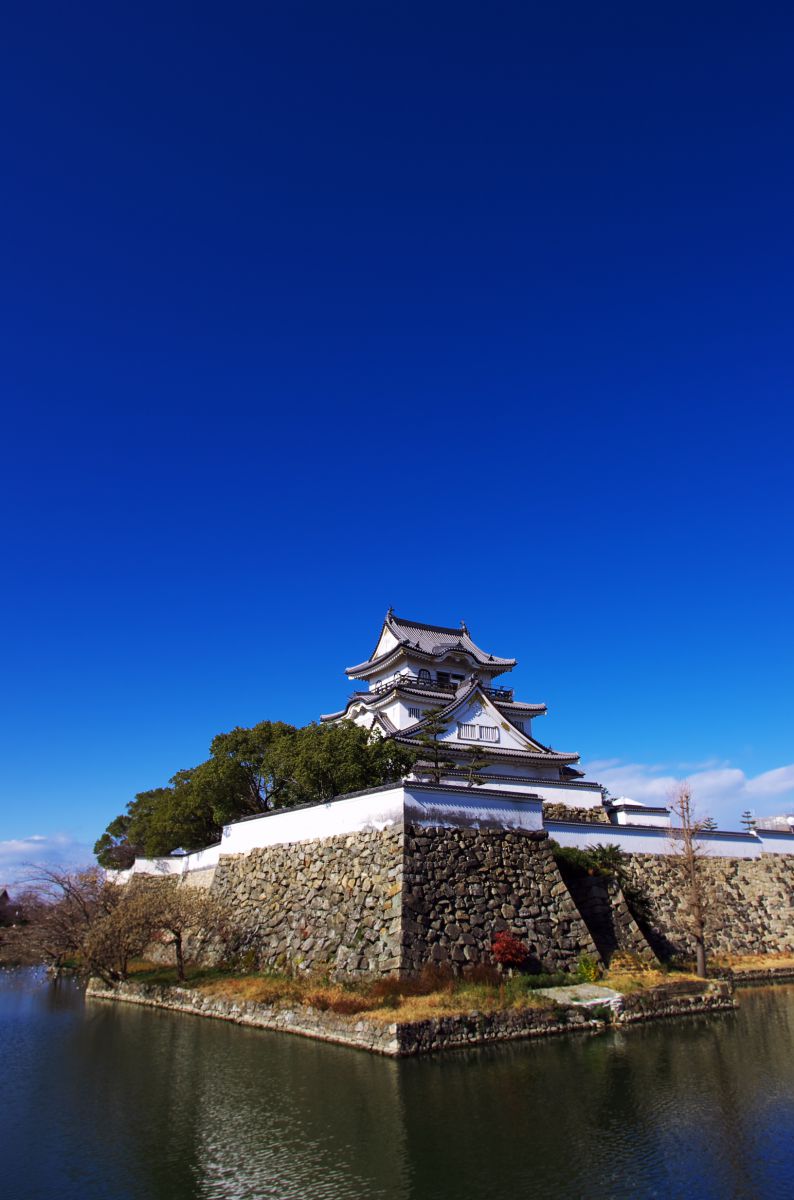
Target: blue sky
(480, 312)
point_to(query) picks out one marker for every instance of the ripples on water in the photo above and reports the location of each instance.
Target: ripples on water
(111, 1101)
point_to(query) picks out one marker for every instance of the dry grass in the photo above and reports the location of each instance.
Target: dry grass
(433, 993)
(753, 962)
(639, 981)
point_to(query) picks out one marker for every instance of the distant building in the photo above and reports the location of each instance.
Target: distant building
(10, 912)
(785, 823)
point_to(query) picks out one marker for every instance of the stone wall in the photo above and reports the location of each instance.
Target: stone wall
(750, 903)
(378, 902)
(330, 904)
(405, 1038)
(566, 812)
(463, 886)
(608, 916)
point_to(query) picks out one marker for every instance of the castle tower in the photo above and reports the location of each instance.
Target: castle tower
(420, 676)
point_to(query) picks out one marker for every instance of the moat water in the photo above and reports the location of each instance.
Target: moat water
(122, 1103)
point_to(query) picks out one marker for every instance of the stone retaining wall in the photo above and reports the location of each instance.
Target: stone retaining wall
(463, 886)
(750, 903)
(566, 812)
(603, 906)
(331, 904)
(378, 902)
(404, 1039)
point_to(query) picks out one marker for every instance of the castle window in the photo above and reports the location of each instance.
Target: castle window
(442, 678)
(467, 731)
(415, 714)
(424, 675)
(519, 725)
(488, 733)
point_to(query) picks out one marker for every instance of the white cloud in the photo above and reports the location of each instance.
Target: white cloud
(17, 855)
(718, 789)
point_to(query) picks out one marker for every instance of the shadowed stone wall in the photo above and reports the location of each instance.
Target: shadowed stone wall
(566, 812)
(608, 916)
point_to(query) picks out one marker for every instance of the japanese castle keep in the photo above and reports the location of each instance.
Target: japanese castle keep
(431, 867)
(418, 672)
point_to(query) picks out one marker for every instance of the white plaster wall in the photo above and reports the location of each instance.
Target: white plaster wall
(646, 841)
(201, 859)
(639, 816)
(377, 810)
(775, 844)
(159, 866)
(471, 810)
(573, 796)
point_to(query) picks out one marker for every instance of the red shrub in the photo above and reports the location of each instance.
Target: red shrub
(508, 950)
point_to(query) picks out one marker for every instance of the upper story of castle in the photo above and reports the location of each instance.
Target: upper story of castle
(416, 669)
(427, 654)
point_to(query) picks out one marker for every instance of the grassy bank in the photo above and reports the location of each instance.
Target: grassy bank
(431, 994)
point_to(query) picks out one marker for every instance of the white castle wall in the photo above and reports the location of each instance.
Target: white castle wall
(465, 808)
(643, 840)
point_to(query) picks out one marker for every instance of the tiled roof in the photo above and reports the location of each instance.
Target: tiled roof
(539, 709)
(432, 641)
(491, 749)
(438, 639)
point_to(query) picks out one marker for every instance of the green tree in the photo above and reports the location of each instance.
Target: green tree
(433, 758)
(476, 763)
(748, 821)
(250, 771)
(257, 759)
(325, 761)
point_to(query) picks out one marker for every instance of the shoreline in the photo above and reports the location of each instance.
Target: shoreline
(404, 1039)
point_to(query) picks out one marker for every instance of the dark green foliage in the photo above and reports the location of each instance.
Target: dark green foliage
(250, 771)
(477, 762)
(608, 857)
(519, 985)
(588, 969)
(602, 859)
(433, 761)
(570, 858)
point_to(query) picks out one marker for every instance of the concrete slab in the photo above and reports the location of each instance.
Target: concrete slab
(587, 995)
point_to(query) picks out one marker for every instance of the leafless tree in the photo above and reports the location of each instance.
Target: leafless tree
(79, 917)
(187, 919)
(61, 908)
(690, 853)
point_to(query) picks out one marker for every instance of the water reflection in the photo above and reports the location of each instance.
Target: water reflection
(124, 1102)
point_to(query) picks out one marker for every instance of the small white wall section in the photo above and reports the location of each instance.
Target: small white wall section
(637, 814)
(386, 642)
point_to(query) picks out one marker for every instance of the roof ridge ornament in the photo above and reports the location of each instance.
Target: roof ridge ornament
(389, 612)
(464, 628)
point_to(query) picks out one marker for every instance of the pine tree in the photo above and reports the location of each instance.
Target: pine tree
(432, 758)
(477, 762)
